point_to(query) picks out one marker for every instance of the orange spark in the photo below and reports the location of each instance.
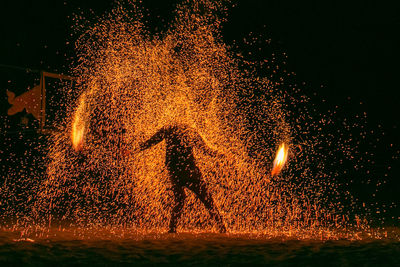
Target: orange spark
(280, 159)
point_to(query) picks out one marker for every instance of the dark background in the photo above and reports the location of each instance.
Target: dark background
(345, 52)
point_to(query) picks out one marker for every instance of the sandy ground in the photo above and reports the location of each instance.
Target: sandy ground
(194, 249)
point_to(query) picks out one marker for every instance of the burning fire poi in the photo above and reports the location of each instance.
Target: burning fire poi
(280, 159)
(79, 125)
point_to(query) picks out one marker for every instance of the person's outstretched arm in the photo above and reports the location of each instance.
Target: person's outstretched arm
(155, 139)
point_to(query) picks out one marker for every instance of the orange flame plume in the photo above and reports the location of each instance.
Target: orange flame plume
(280, 159)
(79, 125)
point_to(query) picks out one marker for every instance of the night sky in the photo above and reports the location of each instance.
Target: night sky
(346, 52)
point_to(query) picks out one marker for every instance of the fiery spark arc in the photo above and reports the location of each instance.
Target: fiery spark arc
(280, 159)
(79, 125)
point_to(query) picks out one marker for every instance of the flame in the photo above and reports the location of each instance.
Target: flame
(280, 159)
(79, 125)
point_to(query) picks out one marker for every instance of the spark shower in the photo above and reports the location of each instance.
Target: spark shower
(274, 179)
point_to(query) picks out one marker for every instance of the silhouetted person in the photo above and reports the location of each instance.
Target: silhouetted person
(183, 172)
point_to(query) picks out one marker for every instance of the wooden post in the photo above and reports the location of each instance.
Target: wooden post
(43, 101)
(43, 75)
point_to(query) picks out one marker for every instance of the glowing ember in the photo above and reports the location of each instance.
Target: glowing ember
(280, 159)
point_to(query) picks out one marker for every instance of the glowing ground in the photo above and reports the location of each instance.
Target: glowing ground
(197, 249)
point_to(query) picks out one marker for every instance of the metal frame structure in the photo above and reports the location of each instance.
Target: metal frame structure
(43, 75)
(42, 84)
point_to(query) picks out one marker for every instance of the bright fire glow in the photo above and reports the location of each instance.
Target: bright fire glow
(78, 125)
(280, 159)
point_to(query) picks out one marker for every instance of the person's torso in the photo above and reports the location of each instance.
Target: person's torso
(179, 152)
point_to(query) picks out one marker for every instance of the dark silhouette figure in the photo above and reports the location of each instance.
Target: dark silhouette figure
(183, 172)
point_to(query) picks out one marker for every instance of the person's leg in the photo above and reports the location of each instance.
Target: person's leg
(179, 199)
(199, 187)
